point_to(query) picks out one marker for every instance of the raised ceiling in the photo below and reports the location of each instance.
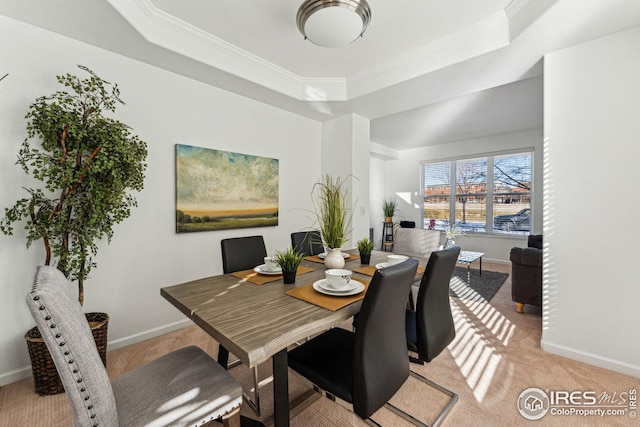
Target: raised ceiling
(425, 72)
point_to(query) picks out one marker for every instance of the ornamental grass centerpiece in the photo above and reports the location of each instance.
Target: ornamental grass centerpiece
(331, 203)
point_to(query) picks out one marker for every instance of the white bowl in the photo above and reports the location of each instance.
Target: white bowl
(338, 278)
(396, 259)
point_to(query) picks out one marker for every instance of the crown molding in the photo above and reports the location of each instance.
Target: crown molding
(522, 13)
(383, 152)
(323, 89)
(176, 35)
(171, 33)
(476, 39)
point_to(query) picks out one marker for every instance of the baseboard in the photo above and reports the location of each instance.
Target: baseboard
(497, 261)
(151, 333)
(591, 359)
(22, 373)
(15, 375)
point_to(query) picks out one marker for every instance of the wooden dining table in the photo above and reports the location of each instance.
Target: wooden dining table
(259, 322)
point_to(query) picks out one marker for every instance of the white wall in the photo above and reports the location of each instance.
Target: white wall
(377, 194)
(145, 254)
(403, 182)
(592, 127)
(345, 153)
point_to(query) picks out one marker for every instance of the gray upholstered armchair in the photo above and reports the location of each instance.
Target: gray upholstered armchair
(526, 273)
(415, 241)
(183, 388)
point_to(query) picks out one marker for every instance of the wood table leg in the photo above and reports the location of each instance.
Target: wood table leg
(280, 389)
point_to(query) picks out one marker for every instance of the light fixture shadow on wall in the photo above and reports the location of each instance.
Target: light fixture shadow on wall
(335, 23)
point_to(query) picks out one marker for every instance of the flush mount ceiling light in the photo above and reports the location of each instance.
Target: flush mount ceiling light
(333, 23)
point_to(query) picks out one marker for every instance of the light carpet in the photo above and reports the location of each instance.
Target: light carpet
(494, 357)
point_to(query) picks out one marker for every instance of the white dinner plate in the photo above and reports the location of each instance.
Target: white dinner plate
(382, 265)
(324, 284)
(262, 269)
(323, 255)
(358, 288)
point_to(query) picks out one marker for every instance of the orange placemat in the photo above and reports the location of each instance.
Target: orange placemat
(308, 294)
(370, 270)
(316, 258)
(259, 279)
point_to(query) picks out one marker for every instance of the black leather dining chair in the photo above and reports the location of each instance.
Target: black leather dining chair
(242, 253)
(368, 366)
(307, 242)
(430, 328)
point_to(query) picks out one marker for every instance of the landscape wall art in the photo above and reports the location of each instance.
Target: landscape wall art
(219, 190)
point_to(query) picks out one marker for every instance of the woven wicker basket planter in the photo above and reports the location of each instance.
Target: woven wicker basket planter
(45, 376)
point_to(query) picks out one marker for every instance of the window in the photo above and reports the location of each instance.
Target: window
(490, 194)
(471, 194)
(512, 191)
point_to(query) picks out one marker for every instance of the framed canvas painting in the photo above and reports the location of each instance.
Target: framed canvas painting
(219, 190)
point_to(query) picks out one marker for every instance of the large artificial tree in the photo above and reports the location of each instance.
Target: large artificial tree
(88, 163)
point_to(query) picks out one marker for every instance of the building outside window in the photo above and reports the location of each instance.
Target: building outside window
(490, 194)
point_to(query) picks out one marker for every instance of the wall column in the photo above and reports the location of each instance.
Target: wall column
(345, 152)
(591, 127)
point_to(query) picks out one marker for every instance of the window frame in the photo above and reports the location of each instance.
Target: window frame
(489, 194)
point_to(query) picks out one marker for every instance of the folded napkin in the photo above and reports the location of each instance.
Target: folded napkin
(259, 279)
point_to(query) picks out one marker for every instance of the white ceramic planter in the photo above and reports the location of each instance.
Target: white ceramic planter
(334, 258)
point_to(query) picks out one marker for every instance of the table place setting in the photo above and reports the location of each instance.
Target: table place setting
(263, 269)
(338, 289)
(338, 282)
(370, 270)
(262, 274)
(270, 267)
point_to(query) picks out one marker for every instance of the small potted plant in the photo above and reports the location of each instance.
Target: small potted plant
(365, 246)
(289, 260)
(389, 209)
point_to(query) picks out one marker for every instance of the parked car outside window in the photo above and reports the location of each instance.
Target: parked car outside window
(514, 222)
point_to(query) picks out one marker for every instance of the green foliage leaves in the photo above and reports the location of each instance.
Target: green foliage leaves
(331, 202)
(365, 246)
(87, 163)
(289, 259)
(389, 207)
